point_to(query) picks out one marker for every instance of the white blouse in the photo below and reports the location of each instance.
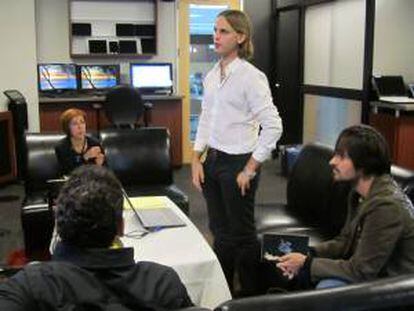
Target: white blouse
(233, 110)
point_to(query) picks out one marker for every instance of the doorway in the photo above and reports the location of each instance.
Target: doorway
(196, 58)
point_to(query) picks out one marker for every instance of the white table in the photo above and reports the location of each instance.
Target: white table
(187, 252)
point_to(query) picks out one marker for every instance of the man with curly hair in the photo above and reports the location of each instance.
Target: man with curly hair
(86, 273)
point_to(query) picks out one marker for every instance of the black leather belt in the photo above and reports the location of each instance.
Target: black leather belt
(221, 154)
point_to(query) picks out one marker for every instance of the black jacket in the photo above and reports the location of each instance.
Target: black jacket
(68, 158)
(94, 279)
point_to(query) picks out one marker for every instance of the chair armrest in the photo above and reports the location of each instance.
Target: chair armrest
(38, 222)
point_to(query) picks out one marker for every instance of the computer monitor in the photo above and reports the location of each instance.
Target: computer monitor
(389, 85)
(152, 77)
(98, 77)
(56, 77)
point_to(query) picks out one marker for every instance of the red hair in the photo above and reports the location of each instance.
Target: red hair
(67, 116)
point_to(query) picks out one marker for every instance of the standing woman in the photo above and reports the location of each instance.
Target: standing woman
(237, 103)
(77, 148)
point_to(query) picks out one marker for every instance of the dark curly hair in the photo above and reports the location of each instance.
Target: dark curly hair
(89, 207)
(367, 149)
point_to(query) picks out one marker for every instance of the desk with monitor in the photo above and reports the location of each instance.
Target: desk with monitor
(166, 112)
(64, 86)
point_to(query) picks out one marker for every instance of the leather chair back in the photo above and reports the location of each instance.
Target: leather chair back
(312, 194)
(123, 106)
(139, 156)
(385, 294)
(41, 160)
(405, 178)
(37, 223)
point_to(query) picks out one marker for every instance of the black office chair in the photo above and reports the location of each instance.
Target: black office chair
(124, 106)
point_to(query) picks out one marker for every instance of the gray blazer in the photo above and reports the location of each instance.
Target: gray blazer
(377, 239)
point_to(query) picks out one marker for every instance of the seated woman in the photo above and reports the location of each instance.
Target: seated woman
(77, 148)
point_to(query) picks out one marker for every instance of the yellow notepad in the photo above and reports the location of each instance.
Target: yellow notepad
(146, 202)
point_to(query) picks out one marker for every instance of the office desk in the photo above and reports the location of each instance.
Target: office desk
(166, 112)
(396, 123)
(187, 252)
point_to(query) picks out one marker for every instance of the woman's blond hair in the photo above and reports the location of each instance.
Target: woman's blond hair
(240, 22)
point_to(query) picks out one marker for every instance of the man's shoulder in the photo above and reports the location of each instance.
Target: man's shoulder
(156, 270)
(161, 284)
(141, 272)
(144, 282)
(52, 268)
(389, 196)
(249, 68)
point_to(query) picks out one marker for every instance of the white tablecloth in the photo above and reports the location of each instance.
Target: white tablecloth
(187, 252)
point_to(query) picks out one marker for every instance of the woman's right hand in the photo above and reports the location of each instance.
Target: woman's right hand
(197, 172)
(92, 153)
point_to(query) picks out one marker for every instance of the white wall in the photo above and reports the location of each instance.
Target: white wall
(52, 31)
(53, 36)
(334, 44)
(334, 56)
(393, 38)
(326, 117)
(18, 54)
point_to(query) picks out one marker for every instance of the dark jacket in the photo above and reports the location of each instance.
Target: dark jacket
(377, 239)
(68, 158)
(94, 279)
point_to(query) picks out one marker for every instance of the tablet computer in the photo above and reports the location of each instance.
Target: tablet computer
(276, 245)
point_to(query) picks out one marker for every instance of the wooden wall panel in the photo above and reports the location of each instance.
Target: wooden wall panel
(399, 133)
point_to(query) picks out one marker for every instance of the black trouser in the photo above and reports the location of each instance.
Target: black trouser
(231, 219)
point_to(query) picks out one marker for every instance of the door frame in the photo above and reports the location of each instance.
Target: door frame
(184, 64)
(362, 95)
(277, 9)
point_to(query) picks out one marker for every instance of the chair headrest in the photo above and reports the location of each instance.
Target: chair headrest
(41, 160)
(139, 156)
(123, 105)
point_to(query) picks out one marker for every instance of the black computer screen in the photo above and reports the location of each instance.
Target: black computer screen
(55, 77)
(98, 76)
(390, 85)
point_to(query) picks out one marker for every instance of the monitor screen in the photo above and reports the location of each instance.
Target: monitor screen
(390, 85)
(55, 77)
(153, 76)
(94, 77)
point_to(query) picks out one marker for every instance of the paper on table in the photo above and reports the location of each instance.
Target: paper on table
(146, 202)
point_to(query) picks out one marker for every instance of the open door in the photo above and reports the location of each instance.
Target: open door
(196, 58)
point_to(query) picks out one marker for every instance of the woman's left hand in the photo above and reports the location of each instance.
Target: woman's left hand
(100, 159)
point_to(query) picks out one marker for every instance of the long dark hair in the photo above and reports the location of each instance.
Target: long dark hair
(367, 149)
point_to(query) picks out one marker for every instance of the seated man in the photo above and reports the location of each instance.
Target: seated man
(86, 274)
(377, 239)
